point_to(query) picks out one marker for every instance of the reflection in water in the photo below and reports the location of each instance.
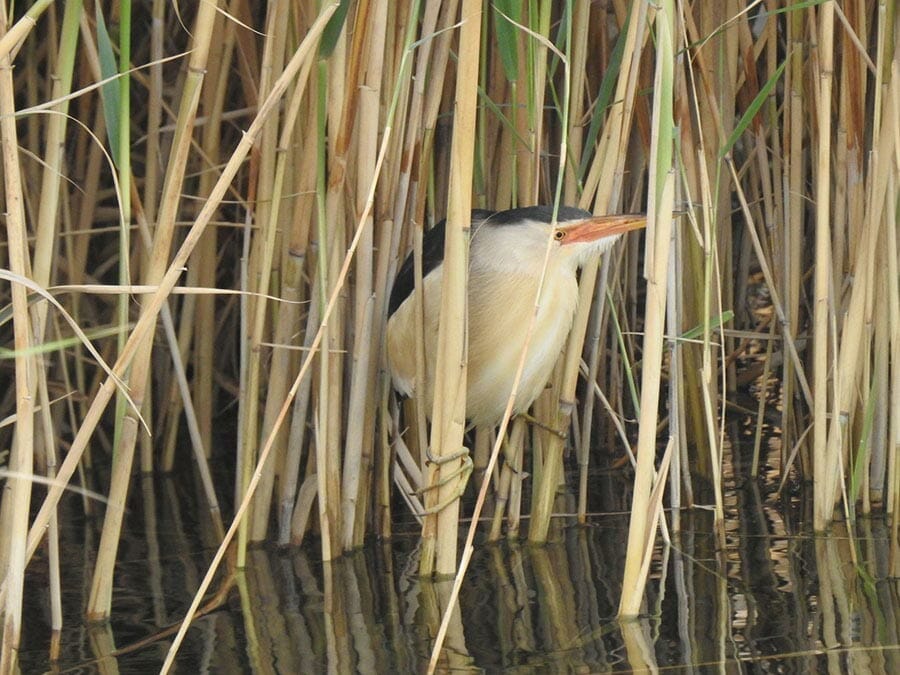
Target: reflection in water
(777, 600)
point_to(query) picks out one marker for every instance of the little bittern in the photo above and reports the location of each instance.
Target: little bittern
(506, 259)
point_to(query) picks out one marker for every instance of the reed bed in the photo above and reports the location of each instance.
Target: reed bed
(205, 209)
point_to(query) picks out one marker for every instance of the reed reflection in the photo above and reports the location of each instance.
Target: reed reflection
(775, 598)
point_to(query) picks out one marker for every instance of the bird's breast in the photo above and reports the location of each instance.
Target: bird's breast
(499, 320)
(501, 305)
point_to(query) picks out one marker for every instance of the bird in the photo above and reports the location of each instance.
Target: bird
(507, 250)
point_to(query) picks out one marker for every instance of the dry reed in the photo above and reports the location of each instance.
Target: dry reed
(257, 157)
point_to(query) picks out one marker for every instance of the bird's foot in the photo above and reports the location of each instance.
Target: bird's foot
(536, 422)
(444, 459)
(460, 474)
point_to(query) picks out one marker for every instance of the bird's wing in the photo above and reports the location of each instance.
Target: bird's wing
(432, 257)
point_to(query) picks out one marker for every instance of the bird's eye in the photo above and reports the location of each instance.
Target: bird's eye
(559, 235)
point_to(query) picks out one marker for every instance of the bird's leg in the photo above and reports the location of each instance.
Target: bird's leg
(462, 473)
(564, 435)
(502, 496)
(509, 492)
(459, 454)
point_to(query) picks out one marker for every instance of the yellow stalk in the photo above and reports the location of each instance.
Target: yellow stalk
(299, 58)
(260, 264)
(155, 107)
(213, 103)
(892, 496)
(278, 382)
(824, 463)
(46, 247)
(174, 271)
(294, 289)
(102, 584)
(603, 178)
(356, 468)
(449, 414)
(660, 214)
(15, 36)
(13, 556)
(580, 29)
(792, 231)
(292, 515)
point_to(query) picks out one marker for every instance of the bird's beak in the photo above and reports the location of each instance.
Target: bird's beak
(599, 227)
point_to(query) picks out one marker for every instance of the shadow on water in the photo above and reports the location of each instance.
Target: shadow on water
(777, 600)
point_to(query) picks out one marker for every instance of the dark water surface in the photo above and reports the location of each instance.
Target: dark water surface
(778, 599)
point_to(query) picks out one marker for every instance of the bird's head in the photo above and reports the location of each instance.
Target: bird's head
(517, 239)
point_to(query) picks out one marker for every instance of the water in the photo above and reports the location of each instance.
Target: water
(778, 599)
